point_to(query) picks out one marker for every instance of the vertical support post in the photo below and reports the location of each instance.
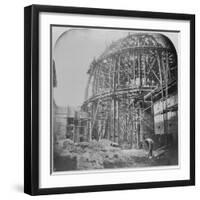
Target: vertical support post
(161, 87)
(97, 85)
(126, 130)
(165, 66)
(73, 133)
(117, 122)
(166, 90)
(118, 71)
(145, 70)
(90, 130)
(114, 100)
(152, 111)
(92, 119)
(112, 134)
(77, 127)
(94, 83)
(87, 131)
(139, 68)
(133, 124)
(132, 131)
(137, 128)
(108, 120)
(134, 67)
(117, 102)
(140, 122)
(78, 130)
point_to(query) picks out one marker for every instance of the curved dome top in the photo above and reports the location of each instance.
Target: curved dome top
(140, 60)
(138, 40)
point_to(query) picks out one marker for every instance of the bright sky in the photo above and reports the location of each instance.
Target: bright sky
(73, 51)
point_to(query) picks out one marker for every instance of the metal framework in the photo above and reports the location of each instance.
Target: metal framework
(120, 78)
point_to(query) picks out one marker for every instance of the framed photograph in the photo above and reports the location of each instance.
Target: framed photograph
(109, 100)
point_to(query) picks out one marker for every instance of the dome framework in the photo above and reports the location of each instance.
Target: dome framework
(128, 71)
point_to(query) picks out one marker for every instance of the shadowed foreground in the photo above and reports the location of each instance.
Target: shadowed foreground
(104, 154)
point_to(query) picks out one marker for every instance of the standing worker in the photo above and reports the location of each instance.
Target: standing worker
(149, 142)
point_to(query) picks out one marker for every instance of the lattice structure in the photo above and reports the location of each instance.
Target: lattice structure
(127, 71)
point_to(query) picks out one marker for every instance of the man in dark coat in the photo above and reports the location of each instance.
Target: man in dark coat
(149, 142)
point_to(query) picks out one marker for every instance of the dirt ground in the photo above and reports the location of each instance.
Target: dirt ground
(104, 154)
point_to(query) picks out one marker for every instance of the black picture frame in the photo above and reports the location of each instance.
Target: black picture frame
(31, 98)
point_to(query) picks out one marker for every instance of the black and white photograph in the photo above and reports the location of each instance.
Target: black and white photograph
(114, 98)
(109, 99)
(98, 100)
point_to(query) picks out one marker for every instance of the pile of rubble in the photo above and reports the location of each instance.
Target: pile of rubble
(93, 155)
(105, 154)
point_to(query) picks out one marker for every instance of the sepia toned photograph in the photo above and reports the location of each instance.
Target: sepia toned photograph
(114, 98)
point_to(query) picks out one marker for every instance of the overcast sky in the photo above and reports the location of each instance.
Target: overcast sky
(73, 50)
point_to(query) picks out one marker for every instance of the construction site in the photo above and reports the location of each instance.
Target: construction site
(131, 95)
